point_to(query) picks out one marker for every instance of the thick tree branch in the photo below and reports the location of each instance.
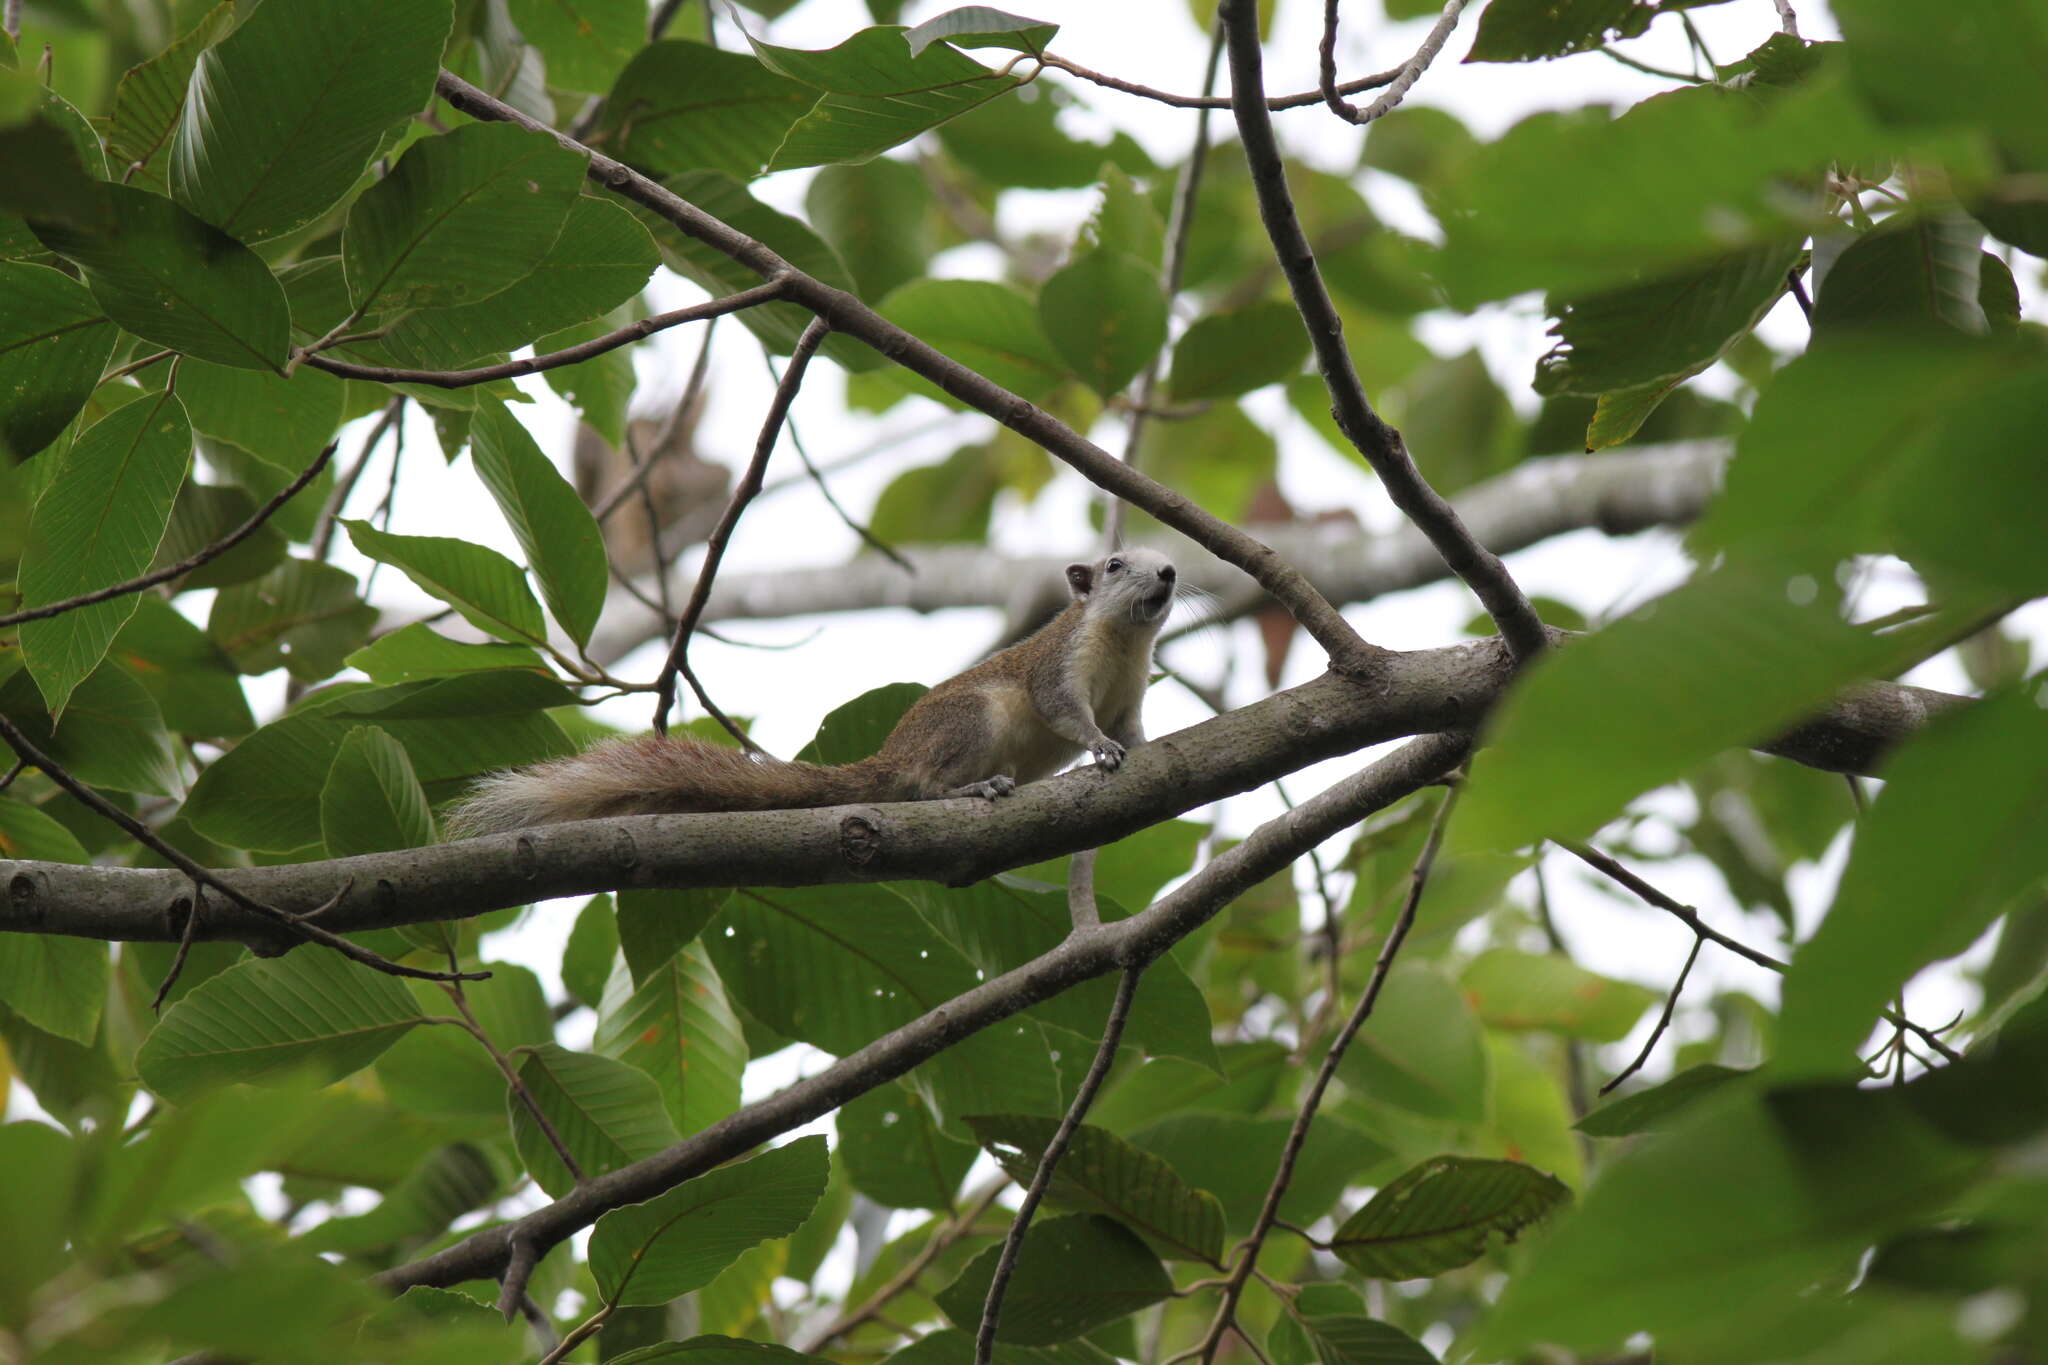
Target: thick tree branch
(845, 313)
(1381, 445)
(1665, 485)
(945, 841)
(1128, 943)
(553, 360)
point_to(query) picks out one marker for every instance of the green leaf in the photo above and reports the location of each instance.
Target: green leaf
(655, 924)
(606, 1113)
(1421, 1050)
(714, 1350)
(878, 94)
(191, 681)
(1514, 990)
(282, 422)
(689, 107)
(54, 341)
(265, 792)
(151, 97)
(1102, 1173)
(372, 802)
(989, 327)
(311, 1013)
(1233, 1157)
(1970, 68)
(442, 1075)
(1073, 1274)
(1349, 1339)
(1226, 354)
(676, 1242)
(488, 589)
(1017, 143)
(302, 616)
(583, 42)
(1418, 143)
(112, 734)
(553, 527)
(417, 651)
(896, 1155)
(837, 967)
(877, 217)
(1619, 415)
(1531, 30)
(1659, 1105)
(1974, 785)
(449, 1183)
(56, 983)
(600, 388)
(1106, 317)
(1912, 269)
(36, 1207)
(981, 26)
(1735, 655)
(285, 112)
(1439, 1215)
(1219, 457)
(97, 525)
(460, 217)
(601, 260)
(1675, 325)
(25, 832)
(55, 157)
(677, 1026)
(172, 278)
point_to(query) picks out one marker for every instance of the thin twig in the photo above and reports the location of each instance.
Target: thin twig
(135, 366)
(7, 778)
(1409, 71)
(1248, 1251)
(1175, 263)
(1277, 104)
(1006, 1263)
(199, 557)
(946, 1235)
(580, 1333)
(1690, 917)
(554, 360)
(1379, 443)
(867, 537)
(1788, 22)
(1660, 72)
(1663, 1020)
(475, 1029)
(665, 434)
(1799, 294)
(338, 496)
(177, 968)
(143, 835)
(678, 660)
(657, 553)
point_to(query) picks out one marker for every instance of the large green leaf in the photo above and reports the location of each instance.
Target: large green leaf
(1970, 67)
(1659, 1104)
(174, 279)
(1439, 1216)
(417, 651)
(97, 525)
(372, 801)
(583, 42)
(688, 107)
(1102, 1173)
(1421, 1050)
(714, 1350)
(310, 1013)
(1016, 142)
(460, 217)
(36, 1204)
(54, 341)
(553, 527)
(989, 327)
(677, 1026)
(303, 616)
(57, 984)
(283, 114)
(1913, 269)
(1733, 656)
(1106, 316)
(676, 1242)
(265, 792)
(981, 26)
(606, 1113)
(151, 98)
(1226, 354)
(1672, 325)
(877, 217)
(1516, 990)
(1073, 1274)
(488, 589)
(895, 1155)
(878, 94)
(282, 422)
(1234, 1157)
(112, 734)
(1531, 30)
(655, 924)
(1975, 785)
(837, 967)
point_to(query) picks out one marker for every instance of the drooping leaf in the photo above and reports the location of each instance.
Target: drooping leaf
(981, 26)
(311, 1013)
(676, 1242)
(98, 525)
(1106, 316)
(677, 1026)
(1514, 990)
(418, 651)
(1421, 1050)
(1658, 1105)
(56, 983)
(191, 681)
(112, 734)
(876, 216)
(691, 107)
(1439, 1215)
(282, 422)
(1073, 1274)
(549, 519)
(606, 1113)
(488, 589)
(284, 113)
(1913, 269)
(54, 341)
(174, 279)
(372, 802)
(461, 217)
(1345, 1339)
(1227, 354)
(150, 100)
(1233, 1157)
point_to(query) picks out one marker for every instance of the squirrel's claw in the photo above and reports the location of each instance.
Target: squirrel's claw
(990, 788)
(1108, 753)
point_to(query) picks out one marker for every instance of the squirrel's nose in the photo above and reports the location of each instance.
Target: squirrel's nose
(1166, 573)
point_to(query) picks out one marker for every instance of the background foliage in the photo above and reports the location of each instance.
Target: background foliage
(230, 232)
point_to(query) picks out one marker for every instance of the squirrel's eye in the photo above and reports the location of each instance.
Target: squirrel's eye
(1114, 566)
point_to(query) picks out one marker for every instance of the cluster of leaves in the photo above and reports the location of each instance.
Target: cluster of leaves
(222, 265)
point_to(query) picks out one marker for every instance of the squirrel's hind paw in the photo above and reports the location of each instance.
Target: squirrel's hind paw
(990, 788)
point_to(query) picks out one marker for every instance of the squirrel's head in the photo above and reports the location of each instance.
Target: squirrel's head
(1135, 584)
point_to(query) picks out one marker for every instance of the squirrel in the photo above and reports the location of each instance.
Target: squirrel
(1077, 684)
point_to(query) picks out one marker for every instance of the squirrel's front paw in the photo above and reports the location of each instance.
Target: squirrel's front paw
(1108, 753)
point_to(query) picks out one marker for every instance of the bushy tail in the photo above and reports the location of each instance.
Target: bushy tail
(654, 775)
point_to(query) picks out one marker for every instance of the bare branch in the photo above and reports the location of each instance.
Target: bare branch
(1409, 71)
(1277, 104)
(1663, 1020)
(1381, 445)
(554, 360)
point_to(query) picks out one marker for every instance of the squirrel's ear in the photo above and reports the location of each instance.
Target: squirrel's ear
(1080, 578)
